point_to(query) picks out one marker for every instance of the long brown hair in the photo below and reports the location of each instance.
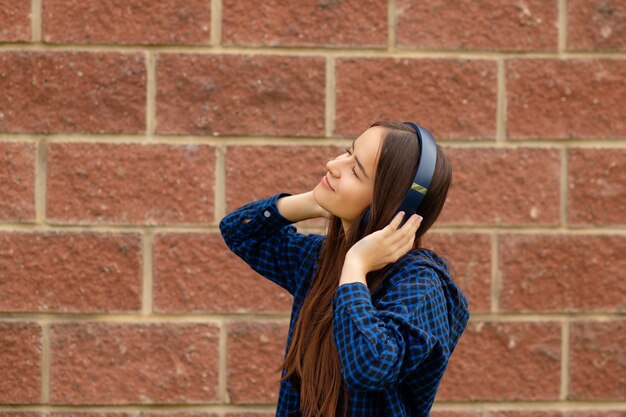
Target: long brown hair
(322, 391)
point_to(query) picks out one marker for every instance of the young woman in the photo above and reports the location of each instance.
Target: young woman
(375, 316)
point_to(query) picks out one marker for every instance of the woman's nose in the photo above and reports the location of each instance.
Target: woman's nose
(330, 166)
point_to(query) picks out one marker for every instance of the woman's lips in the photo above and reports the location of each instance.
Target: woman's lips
(326, 183)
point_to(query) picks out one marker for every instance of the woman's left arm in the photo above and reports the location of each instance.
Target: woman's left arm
(378, 348)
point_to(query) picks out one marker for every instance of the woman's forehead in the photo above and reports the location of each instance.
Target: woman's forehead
(370, 138)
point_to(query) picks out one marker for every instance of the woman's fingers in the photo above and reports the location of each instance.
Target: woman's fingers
(393, 226)
(395, 235)
(399, 236)
(415, 221)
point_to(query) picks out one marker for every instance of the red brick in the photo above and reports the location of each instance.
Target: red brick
(355, 23)
(17, 180)
(14, 20)
(254, 350)
(563, 99)
(561, 273)
(240, 94)
(130, 183)
(20, 362)
(127, 21)
(124, 363)
(598, 360)
(197, 272)
(70, 272)
(488, 24)
(596, 187)
(595, 25)
(452, 98)
(63, 91)
(505, 361)
(300, 169)
(508, 187)
(469, 256)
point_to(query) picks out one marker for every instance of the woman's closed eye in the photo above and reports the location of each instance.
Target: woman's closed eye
(353, 170)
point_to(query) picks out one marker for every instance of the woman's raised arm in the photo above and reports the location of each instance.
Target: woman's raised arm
(300, 207)
(267, 241)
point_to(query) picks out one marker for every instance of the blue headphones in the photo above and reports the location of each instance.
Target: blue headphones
(423, 176)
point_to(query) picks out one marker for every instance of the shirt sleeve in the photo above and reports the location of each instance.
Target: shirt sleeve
(268, 242)
(379, 348)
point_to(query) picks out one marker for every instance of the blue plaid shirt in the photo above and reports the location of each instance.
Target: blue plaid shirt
(394, 345)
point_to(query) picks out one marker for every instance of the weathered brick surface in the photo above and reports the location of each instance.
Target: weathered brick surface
(240, 95)
(355, 23)
(560, 99)
(130, 183)
(469, 256)
(14, 20)
(573, 273)
(124, 363)
(197, 272)
(596, 25)
(488, 70)
(598, 360)
(505, 361)
(255, 349)
(17, 181)
(596, 187)
(127, 22)
(64, 91)
(296, 168)
(20, 362)
(70, 272)
(508, 187)
(489, 25)
(452, 98)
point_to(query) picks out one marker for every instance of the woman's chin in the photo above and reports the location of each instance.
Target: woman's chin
(318, 194)
(319, 199)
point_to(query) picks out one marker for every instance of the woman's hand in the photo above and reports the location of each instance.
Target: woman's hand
(384, 246)
(300, 207)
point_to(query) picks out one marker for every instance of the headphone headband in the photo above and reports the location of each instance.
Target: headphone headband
(425, 170)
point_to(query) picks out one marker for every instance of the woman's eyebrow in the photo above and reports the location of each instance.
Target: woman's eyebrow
(359, 162)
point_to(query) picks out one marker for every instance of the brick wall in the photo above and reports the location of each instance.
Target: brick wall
(128, 129)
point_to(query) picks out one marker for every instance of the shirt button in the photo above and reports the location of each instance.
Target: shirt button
(267, 213)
